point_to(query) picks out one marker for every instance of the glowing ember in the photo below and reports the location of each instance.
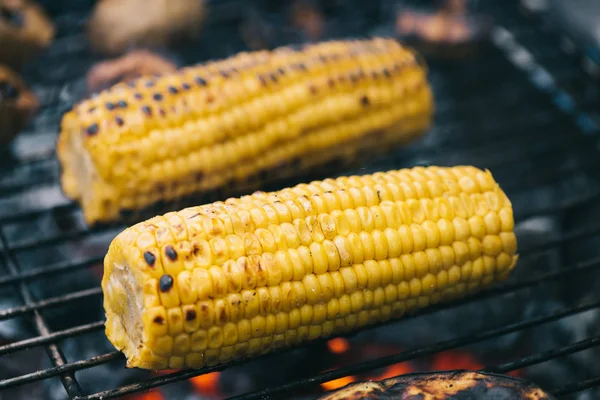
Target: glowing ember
(450, 360)
(207, 384)
(338, 383)
(394, 370)
(338, 345)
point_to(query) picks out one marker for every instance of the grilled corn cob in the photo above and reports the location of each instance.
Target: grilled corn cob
(253, 115)
(242, 277)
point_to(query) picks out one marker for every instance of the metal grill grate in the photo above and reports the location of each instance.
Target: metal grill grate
(522, 110)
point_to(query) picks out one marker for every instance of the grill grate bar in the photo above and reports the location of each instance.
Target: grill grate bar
(37, 273)
(65, 368)
(545, 356)
(577, 387)
(50, 337)
(51, 302)
(352, 369)
(54, 352)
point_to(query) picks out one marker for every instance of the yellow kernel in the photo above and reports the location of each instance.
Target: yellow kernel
(415, 287)
(187, 290)
(421, 263)
(345, 305)
(356, 301)
(381, 245)
(252, 244)
(319, 313)
(295, 318)
(368, 299)
(361, 276)
(291, 235)
(507, 222)
(477, 271)
(234, 274)
(462, 229)
(307, 261)
(266, 239)
(219, 281)
(454, 275)
(319, 258)
(258, 326)
(368, 245)
(509, 242)
(281, 322)
(333, 309)
(353, 220)
(461, 252)
(447, 254)
(492, 245)
(393, 241)
(181, 344)
(221, 311)
(306, 314)
(503, 261)
(477, 226)
(446, 232)
(264, 300)
(356, 247)
(338, 283)
(327, 286)
(333, 258)
(419, 237)
(278, 236)
(163, 346)
(175, 321)
(373, 274)
(220, 250)
(429, 284)
(215, 337)
(194, 360)
(313, 289)
(475, 247)
(467, 271)
(406, 236)
(270, 324)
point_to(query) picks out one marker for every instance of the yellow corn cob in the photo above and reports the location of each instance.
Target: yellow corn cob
(259, 113)
(242, 277)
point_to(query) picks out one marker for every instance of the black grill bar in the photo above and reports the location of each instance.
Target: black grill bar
(54, 352)
(48, 337)
(577, 386)
(65, 368)
(544, 356)
(40, 272)
(51, 302)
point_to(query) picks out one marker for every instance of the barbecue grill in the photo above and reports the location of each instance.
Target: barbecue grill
(523, 106)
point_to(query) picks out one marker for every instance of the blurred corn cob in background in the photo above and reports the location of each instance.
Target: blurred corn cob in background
(255, 116)
(242, 277)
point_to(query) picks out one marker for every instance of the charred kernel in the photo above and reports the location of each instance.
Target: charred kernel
(273, 78)
(138, 96)
(158, 320)
(312, 89)
(331, 82)
(262, 80)
(161, 112)
(281, 71)
(375, 75)
(119, 121)
(301, 66)
(157, 96)
(149, 258)
(171, 253)
(200, 81)
(190, 315)
(149, 83)
(92, 129)
(364, 101)
(224, 74)
(353, 78)
(165, 283)
(91, 109)
(122, 103)
(110, 106)
(146, 110)
(173, 90)
(185, 86)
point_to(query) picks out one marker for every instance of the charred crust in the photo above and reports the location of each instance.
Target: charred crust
(195, 247)
(224, 74)
(122, 103)
(173, 90)
(364, 101)
(149, 84)
(386, 73)
(147, 110)
(158, 320)
(92, 129)
(190, 315)
(119, 121)
(138, 96)
(165, 283)
(109, 106)
(157, 96)
(200, 81)
(170, 253)
(186, 86)
(150, 258)
(222, 316)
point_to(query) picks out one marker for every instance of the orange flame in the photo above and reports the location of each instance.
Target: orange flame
(337, 383)
(207, 384)
(338, 345)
